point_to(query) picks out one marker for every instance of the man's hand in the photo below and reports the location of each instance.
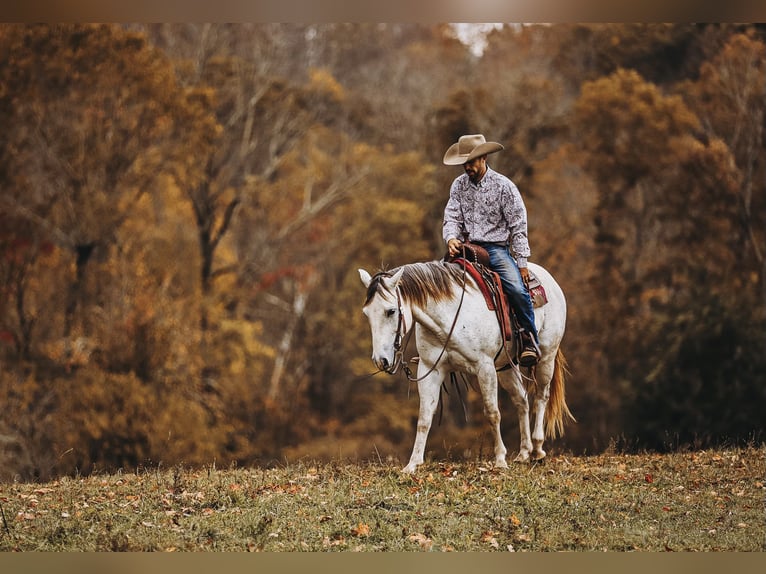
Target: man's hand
(525, 276)
(454, 245)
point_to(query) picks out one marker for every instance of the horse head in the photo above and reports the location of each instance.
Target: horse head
(390, 318)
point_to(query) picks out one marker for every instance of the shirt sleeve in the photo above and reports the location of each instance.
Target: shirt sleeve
(453, 224)
(516, 215)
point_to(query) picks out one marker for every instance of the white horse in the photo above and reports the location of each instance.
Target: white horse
(455, 331)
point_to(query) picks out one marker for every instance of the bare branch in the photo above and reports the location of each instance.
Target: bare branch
(57, 235)
(336, 192)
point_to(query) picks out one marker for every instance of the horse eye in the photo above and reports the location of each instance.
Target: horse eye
(390, 312)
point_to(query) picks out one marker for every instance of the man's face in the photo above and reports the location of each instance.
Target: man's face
(475, 168)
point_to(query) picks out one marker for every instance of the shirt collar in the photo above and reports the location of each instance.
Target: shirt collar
(483, 181)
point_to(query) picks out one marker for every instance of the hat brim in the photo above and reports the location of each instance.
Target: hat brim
(452, 157)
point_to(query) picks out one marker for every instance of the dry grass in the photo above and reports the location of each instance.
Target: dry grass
(699, 501)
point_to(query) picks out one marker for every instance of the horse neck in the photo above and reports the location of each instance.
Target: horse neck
(435, 316)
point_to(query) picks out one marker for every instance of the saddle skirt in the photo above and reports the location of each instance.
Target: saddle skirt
(491, 287)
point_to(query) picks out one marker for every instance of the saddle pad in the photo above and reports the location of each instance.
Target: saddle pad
(536, 291)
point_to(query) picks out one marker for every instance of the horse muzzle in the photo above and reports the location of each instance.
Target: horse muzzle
(387, 365)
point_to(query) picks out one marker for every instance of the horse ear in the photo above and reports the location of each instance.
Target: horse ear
(365, 277)
(394, 281)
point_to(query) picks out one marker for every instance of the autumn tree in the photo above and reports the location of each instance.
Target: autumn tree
(92, 117)
(92, 113)
(728, 97)
(663, 54)
(388, 95)
(666, 222)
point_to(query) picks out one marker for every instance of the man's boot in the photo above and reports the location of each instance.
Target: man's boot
(530, 352)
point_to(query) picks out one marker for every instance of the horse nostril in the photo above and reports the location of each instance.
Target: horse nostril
(384, 363)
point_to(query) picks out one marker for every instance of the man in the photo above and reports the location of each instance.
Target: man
(486, 208)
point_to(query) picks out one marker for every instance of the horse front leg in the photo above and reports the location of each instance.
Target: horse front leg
(428, 390)
(488, 384)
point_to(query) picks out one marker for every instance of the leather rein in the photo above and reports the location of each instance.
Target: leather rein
(401, 329)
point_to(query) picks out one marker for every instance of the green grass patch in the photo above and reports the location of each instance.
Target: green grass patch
(694, 501)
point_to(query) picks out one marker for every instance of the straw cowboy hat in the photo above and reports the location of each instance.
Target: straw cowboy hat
(468, 148)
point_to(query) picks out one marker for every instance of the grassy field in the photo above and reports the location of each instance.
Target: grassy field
(699, 501)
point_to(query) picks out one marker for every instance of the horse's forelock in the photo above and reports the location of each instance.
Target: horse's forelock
(375, 284)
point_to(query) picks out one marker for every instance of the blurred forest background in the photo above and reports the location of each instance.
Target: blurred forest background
(183, 209)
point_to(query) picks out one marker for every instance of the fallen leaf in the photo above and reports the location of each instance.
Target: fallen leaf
(515, 520)
(336, 541)
(489, 538)
(648, 478)
(424, 541)
(361, 529)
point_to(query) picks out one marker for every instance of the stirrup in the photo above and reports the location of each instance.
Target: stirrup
(529, 357)
(530, 352)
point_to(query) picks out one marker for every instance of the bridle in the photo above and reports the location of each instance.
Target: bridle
(401, 330)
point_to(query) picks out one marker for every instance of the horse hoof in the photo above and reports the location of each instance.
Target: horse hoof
(501, 464)
(521, 457)
(410, 469)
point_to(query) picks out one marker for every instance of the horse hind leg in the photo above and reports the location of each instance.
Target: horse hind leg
(544, 372)
(511, 381)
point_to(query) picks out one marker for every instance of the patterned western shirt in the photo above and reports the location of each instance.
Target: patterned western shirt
(491, 211)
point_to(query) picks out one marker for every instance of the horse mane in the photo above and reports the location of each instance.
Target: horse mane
(422, 282)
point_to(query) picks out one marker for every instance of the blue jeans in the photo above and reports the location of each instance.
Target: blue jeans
(503, 264)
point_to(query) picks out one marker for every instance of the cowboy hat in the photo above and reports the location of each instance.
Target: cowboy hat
(468, 148)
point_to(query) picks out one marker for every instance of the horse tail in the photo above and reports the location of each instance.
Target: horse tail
(557, 408)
